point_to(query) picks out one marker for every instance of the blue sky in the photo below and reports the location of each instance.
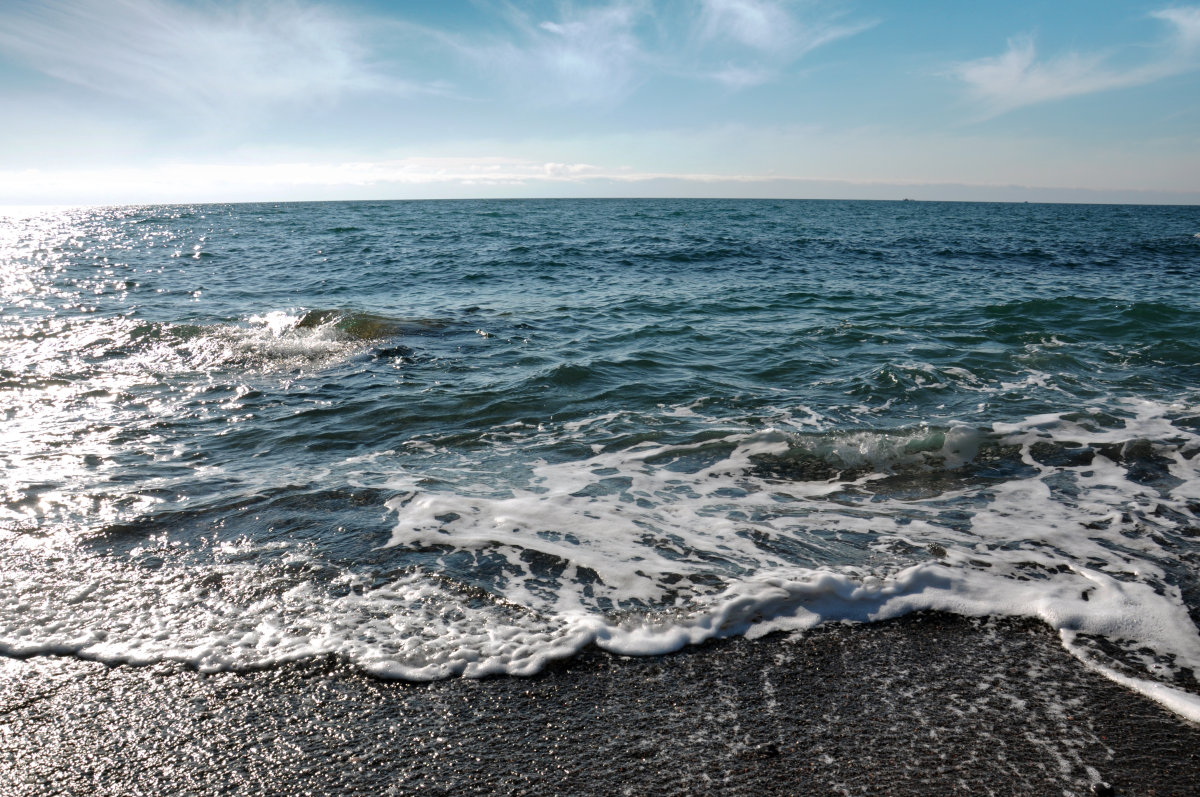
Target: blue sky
(108, 101)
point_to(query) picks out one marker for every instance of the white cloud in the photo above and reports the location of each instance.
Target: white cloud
(217, 59)
(760, 38)
(769, 26)
(1186, 22)
(589, 55)
(759, 24)
(1017, 78)
(741, 77)
(599, 54)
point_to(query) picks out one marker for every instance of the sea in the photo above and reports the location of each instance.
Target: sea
(435, 439)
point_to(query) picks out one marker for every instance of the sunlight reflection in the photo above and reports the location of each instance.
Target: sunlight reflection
(91, 376)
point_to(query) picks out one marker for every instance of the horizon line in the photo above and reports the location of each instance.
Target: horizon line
(11, 206)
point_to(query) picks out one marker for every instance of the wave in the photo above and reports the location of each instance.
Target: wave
(1085, 520)
(365, 326)
(122, 347)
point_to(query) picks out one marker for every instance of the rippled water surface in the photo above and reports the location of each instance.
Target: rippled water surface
(466, 437)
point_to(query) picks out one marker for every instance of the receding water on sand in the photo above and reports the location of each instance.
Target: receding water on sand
(927, 704)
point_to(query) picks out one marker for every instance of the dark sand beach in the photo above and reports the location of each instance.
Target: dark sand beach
(928, 704)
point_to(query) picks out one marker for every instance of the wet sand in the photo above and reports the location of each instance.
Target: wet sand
(928, 704)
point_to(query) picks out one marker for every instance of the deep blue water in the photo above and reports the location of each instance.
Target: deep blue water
(440, 437)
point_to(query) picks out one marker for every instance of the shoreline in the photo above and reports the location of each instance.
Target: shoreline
(927, 703)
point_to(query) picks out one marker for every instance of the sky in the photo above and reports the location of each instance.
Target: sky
(141, 101)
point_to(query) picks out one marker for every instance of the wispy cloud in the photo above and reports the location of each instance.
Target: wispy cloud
(759, 24)
(737, 77)
(770, 26)
(1186, 22)
(759, 38)
(599, 54)
(1017, 78)
(203, 58)
(587, 55)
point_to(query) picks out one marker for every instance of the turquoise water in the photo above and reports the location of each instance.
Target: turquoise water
(467, 437)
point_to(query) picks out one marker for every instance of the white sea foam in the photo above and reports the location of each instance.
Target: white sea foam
(643, 550)
(139, 353)
(275, 341)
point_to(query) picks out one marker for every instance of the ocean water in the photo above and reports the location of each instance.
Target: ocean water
(467, 438)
